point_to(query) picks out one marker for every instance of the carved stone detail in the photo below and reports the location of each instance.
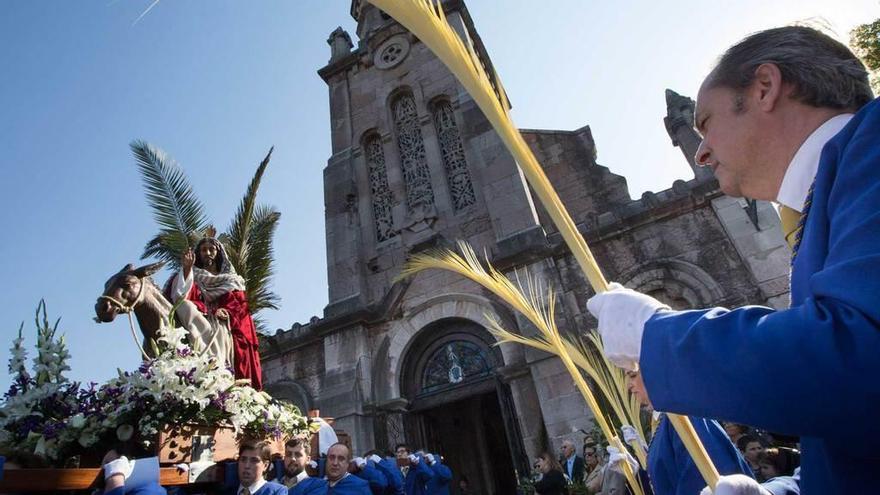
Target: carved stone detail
(380, 193)
(414, 162)
(457, 176)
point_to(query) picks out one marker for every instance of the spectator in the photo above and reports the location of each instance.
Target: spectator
(775, 462)
(751, 447)
(552, 480)
(670, 467)
(572, 464)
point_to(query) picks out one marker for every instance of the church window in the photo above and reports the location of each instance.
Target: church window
(380, 193)
(454, 363)
(460, 187)
(416, 176)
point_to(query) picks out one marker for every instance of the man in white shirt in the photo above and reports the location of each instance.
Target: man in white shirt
(253, 461)
(776, 115)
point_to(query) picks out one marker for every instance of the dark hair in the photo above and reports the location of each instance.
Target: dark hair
(262, 448)
(219, 260)
(398, 446)
(745, 440)
(551, 459)
(823, 71)
(783, 459)
(298, 442)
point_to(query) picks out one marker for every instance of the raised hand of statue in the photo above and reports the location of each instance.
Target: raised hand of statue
(187, 261)
(222, 314)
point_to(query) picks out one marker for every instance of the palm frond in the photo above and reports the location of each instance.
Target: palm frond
(239, 230)
(175, 206)
(538, 305)
(261, 259)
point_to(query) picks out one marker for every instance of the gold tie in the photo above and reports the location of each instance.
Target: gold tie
(788, 219)
(244, 491)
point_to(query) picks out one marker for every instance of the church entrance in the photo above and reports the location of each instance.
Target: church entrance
(471, 435)
(459, 407)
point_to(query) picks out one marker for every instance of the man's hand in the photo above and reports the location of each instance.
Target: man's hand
(187, 261)
(631, 436)
(736, 484)
(376, 459)
(222, 314)
(615, 457)
(121, 466)
(430, 458)
(360, 462)
(622, 314)
(414, 459)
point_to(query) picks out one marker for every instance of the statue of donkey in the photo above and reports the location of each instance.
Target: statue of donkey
(132, 290)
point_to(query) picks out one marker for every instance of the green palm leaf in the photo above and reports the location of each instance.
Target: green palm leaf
(238, 235)
(175, 206)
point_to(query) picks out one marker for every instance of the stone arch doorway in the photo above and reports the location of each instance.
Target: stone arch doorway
(460, 407)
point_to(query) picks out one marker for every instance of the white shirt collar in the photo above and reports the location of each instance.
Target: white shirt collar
(298, 478)
(805, 163)
(333, 483)
(253, 488)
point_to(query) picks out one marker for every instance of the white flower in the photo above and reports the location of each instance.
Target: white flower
(124, 433)
(77, 421)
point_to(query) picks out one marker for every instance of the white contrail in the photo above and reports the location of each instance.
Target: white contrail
(145, 12)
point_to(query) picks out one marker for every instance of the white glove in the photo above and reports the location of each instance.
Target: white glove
(630, 436)
(413, 459)
(430, 458)
(119, 466)
(360, 462)
(375, 458)
(736, 484)
(622, 314)
(313, 464)
(615, 457)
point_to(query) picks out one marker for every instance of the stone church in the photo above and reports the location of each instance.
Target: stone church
(415, 166)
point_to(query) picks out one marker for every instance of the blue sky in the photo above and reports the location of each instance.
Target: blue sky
(215, 84)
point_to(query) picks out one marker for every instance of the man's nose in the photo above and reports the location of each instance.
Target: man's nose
(703, 155)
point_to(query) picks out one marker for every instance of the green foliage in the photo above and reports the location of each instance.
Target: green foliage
(181, 219)
(175, 206)
(865, 42)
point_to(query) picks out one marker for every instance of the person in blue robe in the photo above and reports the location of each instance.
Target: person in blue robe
(787, 115)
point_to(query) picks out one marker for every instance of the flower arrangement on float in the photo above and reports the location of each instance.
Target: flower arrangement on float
(46, 416)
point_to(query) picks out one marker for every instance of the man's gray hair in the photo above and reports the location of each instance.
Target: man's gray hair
(824, 72)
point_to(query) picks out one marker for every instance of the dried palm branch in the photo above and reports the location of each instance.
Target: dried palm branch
(426, 20)
(538, 305)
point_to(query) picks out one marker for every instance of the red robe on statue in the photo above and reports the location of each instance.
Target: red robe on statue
(245, 346)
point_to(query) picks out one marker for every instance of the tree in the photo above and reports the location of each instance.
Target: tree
(865, 42)
(248, 240)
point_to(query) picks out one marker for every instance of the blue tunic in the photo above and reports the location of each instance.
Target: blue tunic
(810, 370)
(309, 486)
(672, 470)
(349, 485)
(439, 484)
(388, 467)
(376, 479)
(417, 478)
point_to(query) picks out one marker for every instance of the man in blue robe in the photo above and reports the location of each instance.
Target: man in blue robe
(416, 473)
(297, 455)
(339, 480)
(366, 470)
(787, 115)
(388, 466)
(670, 468)
(254, 460)
(439, 484)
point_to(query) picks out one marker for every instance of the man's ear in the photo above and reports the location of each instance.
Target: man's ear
(767, 87)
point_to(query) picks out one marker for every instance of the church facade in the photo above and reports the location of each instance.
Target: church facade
(416, 166)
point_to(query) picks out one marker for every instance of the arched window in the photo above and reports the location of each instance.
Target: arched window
(457, 176)
(380, 193)
(455, 363)
(419, 193)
